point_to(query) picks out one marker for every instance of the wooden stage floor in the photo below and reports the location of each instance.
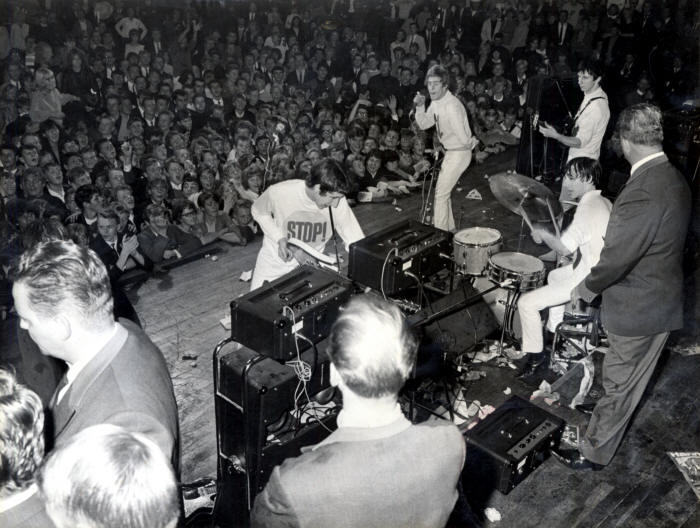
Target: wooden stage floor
(181, 311)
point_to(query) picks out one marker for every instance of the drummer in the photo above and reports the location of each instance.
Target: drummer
(585, 234)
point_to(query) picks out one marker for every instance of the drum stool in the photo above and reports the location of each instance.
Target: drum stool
(577, 327)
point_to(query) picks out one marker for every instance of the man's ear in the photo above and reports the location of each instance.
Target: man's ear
(62, 327)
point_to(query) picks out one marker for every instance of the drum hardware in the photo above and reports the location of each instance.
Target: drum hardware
(449, 310)
(525, 273)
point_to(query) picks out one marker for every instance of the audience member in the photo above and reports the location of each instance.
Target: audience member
(115, 373)
(106, 475)
(22, 438)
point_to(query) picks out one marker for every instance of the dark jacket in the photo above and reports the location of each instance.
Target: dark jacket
(639, 273)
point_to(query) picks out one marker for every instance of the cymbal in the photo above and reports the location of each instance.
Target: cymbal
(517, 193)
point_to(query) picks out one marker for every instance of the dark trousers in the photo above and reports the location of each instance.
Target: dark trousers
(627, 368)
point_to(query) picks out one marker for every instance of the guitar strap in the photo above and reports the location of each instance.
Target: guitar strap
(574, 128)
(580, 112)
(335, 238)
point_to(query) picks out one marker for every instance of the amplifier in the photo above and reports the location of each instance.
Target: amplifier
(385, 257)
(255, 430)
(512, 442)
(682, 139)
(304, 301)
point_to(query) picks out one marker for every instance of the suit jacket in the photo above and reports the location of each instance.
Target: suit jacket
(568, 35)
(150, 45)
(126, 384)
(420, 41)
(639, 273)
(397, 475)
(293, 78)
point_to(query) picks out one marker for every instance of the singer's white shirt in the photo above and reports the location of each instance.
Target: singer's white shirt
(450, 118)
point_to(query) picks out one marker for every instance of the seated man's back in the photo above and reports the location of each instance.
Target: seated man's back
(398, 475)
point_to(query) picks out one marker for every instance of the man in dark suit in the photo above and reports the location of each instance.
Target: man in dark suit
(562, 31)
(471, 19)
(115, 375)
(154, 42)
(119, 253)
(301, 73)
(377, 469)
(640, 278)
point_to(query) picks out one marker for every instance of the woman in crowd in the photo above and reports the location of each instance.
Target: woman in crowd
(46, 102)
(217, 222)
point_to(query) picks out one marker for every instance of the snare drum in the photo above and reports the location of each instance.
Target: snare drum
(526, 272)
(472, 248)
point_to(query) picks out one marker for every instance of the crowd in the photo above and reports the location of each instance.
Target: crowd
(145, 130)
(169, 122)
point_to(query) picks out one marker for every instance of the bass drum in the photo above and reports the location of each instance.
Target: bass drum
(497, 301)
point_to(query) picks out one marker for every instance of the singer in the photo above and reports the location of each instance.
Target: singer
(448, 115)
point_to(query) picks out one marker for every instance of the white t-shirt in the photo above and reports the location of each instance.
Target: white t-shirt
(591, 122)
(587, 231)
(285, 210)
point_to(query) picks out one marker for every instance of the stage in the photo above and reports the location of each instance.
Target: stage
(181, 312)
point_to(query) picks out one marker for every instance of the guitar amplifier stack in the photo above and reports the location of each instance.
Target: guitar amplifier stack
(391, 260)
(255, 428)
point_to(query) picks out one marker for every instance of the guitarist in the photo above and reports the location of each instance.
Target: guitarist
(589, 125)
(310, 210)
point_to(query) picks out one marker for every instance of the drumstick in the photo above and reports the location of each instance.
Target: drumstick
(554, 220)
(525, 217)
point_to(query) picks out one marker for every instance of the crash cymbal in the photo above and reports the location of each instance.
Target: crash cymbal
(517, 193)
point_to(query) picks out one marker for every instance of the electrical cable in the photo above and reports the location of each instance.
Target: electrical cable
(304, 373)
(386, 260)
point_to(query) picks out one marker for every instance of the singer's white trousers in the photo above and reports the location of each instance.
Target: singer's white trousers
(453, 165)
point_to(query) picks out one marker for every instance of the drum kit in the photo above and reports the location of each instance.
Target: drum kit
(477, 251)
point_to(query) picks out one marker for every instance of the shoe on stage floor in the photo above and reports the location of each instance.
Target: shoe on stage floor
(573, 459)
(586, 408)
(535, 363)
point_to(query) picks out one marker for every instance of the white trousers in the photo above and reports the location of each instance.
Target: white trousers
(554, 296)
(453, 165)
(269, 266)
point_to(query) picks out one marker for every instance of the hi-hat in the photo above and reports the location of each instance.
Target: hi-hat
(520, 193)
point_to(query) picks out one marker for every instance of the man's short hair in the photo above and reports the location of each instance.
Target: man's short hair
(440, 71)
(58, 274)
(641, 124)
(595, 68)
(372, 347)
(84, 194)
(106, 476)
(21, 434)
(109, 214)
(330, 176)
(584, 168)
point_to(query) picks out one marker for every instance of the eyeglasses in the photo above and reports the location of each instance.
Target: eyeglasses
(188, 213)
